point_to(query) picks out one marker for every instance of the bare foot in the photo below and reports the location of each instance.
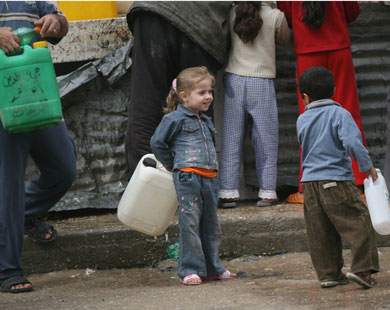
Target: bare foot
(194, 281)
(191, 279)
(19, 286)
(49, 234)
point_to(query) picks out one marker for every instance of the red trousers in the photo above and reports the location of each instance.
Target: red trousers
(340, 63)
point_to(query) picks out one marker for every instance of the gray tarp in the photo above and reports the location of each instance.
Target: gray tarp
(112, 66)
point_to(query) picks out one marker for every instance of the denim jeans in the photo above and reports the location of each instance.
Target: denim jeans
(54, 153)
(200, 233)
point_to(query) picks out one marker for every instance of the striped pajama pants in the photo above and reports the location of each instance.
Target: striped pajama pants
(249, 97)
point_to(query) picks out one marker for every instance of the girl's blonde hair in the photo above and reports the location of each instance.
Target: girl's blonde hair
(186, 81)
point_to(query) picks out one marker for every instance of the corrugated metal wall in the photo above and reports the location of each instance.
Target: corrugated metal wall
(370, 35)
(96, 114)
(371, 54)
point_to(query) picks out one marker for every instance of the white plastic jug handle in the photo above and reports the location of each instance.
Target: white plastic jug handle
(371, 182)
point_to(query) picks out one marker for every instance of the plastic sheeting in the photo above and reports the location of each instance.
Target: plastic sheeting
(112, 67)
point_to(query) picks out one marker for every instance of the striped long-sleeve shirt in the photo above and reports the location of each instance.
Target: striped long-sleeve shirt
(17, 14)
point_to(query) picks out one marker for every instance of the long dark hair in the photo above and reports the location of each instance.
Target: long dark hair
(314, 12)
(248, 21)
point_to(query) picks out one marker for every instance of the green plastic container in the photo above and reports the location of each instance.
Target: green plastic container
(29, 97)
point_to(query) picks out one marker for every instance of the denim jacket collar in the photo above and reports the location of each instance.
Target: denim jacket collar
(188, 112)
(183, 139)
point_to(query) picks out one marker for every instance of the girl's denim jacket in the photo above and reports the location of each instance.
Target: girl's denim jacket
(184, 139)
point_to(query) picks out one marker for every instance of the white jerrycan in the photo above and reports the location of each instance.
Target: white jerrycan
(378, 203)
(149, 201)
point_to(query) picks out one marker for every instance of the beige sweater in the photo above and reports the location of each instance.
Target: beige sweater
(257, 59)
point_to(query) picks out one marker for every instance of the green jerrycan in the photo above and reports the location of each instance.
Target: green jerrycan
(29, 96)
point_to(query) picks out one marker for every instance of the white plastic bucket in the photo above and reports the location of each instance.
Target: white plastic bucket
(149, 201)
(378, 203)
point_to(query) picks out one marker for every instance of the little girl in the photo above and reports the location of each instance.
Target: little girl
(184, 143)
(249, 91)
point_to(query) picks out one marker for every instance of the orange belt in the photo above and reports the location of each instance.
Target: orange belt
(208, 173)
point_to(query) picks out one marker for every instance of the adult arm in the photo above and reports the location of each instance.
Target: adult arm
(53, 26)
(8, 41)
(286, 8)
(283, 32)
(53, 23)
(352, 10)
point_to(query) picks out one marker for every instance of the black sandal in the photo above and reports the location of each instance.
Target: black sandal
(37, 230)
(7, 284)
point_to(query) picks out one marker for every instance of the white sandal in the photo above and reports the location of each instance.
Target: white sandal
(187, 279)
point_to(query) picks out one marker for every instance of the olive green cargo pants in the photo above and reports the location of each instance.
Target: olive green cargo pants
(334, 211)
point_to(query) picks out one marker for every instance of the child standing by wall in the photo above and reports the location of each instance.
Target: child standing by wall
(184, 143)
(249, 91)
(333, 207)
(321, 38)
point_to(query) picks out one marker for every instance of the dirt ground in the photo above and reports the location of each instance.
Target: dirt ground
(285, 281)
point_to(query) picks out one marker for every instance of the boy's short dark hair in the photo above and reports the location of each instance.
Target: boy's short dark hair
(317, 83)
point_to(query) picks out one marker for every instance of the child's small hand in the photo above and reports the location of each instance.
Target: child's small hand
(372, 172)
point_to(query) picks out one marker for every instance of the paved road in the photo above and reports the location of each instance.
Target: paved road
(285, 282)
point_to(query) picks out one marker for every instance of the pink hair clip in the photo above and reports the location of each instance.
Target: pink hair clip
(174, 85)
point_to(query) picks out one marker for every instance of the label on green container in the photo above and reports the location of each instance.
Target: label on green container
(28, 91)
